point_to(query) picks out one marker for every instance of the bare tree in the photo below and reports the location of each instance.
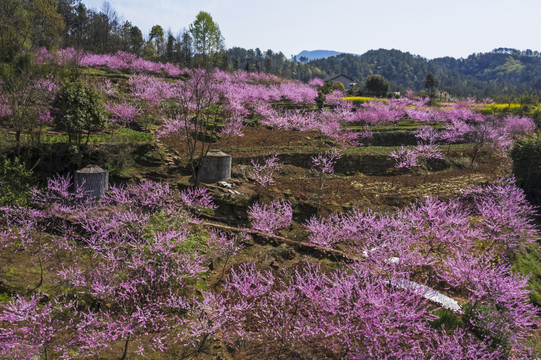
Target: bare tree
(198, 108)
(26, 96)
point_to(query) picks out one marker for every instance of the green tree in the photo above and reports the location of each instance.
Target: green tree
(320, 98)
(431, 83)
(527, 102)
(46, 24)
(170, 47)
(76, 18)
(97, 34)
(149, 51)
(376, 85)
(124, 32)
(337, 85)
(67, 9)
(136, 40)
(185, 49)
(25, 25)
(207, 37)
(156, 38)
(78, 110)
(14, 28)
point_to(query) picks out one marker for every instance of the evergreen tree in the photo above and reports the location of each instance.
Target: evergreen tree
(207, 38)
(376, 85)
(78, 110)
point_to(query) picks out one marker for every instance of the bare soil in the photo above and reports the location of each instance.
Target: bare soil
(362, 180)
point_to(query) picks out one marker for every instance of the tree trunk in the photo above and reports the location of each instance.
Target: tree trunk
(320, 189)
(195, 172)
(125, 353)
(18, 141)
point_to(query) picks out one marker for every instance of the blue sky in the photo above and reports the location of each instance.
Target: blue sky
(431, 29)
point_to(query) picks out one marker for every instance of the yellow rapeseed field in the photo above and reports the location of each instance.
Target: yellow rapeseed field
(501, 107)
(362, 98)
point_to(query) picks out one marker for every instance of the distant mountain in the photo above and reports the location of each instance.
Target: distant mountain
(316, 54)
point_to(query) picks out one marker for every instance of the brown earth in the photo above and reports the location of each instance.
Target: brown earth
(364, 177)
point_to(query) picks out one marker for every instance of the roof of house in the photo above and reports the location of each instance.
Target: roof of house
(330, 78)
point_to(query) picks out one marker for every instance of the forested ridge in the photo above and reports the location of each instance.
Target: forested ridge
(501, 72)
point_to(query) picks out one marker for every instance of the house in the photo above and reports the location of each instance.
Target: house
(344, 79)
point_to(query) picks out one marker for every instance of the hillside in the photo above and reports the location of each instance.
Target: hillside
(308, 245)
(160, 200)
(518, 71)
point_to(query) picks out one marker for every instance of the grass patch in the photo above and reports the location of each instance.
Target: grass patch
(104, 72)
(161, 223)
(400, 126)
(4, 298)
(527, 262)
(122, 135)
(446, 319)
(353, 150)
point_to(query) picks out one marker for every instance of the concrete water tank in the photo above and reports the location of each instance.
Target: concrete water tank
(93, 179)
(216, 166)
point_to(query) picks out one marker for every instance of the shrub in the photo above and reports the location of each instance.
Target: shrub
(526, 155)
(447, 318)
(337, 85)
(15, 180)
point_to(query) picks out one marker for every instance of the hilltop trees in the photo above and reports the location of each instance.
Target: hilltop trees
(12, 31)
(27, 26)
(430, 82)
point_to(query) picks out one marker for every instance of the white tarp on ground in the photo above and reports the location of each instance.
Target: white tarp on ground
(428, 293)
(423, 290)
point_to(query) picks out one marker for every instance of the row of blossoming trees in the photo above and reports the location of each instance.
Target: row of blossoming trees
(130, 283)
(175, 101)
(138, 273)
